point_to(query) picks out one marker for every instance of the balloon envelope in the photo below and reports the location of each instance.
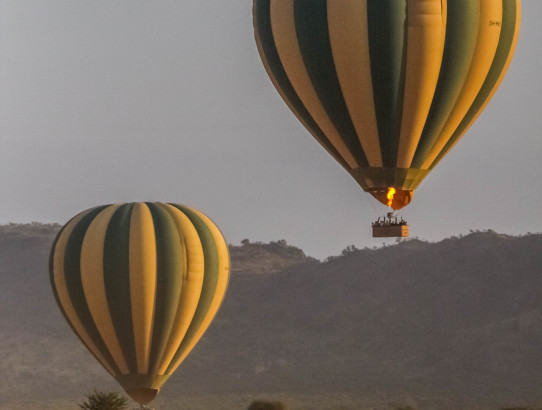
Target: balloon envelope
(387, 86)
(139, 284)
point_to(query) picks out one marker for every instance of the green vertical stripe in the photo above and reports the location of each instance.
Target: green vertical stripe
(52, 275)
(72, 269)
(313, 37)
(210, 278)
(52, 271)
(169, 275)
(117, 280)
(387, 40)
(262, 24)
(461, 36)
(508, 31)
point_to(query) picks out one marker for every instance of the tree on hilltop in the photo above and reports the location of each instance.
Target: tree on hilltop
(104, 401)
(266, 405)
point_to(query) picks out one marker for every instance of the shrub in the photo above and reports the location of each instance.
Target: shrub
(266, 405)
(104, 401)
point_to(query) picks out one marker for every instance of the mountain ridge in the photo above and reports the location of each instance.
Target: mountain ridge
(455, 324)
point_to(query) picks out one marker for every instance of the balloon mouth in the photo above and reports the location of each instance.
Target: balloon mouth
(144, 395)
(393, 197)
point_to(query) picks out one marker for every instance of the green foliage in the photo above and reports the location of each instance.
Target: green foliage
(266, 405)
(104, 401)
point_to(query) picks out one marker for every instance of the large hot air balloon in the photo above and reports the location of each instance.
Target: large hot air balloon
(387, 86)
(139, 284)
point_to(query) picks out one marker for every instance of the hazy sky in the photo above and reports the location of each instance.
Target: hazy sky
(106, 101)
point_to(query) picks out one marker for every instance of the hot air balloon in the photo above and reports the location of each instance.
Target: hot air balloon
(387, 87)
(139, 284)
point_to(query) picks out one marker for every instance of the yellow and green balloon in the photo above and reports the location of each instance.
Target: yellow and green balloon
(139, 283)
(387, 86)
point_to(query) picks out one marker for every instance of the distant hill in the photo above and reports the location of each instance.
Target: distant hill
(450, 325)
(266, 257)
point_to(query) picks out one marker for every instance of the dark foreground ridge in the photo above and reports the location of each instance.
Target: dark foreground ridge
(450, 325)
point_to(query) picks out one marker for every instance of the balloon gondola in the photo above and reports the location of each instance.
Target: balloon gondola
(387, 87)
(139, 284)
(390, 227)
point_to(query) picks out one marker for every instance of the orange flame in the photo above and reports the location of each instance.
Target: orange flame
(391, 193)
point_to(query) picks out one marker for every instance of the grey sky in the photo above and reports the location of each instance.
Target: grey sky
(107, 101)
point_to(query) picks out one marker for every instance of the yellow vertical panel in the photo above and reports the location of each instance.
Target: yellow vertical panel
(425, 49)
(142, 257)
(499, 81)
(92, 276)
(59, 279)
(192, 284)
(221, 286)
(349, 35)
(284, 32)
(486, 46)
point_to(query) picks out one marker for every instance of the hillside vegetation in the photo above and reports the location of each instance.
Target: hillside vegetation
(450, 325)
(266, 257)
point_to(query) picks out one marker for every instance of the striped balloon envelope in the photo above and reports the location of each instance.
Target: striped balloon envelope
(387, 86)
(139, 284)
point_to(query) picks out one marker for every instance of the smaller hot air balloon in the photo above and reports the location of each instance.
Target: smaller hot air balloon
(139, 284)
